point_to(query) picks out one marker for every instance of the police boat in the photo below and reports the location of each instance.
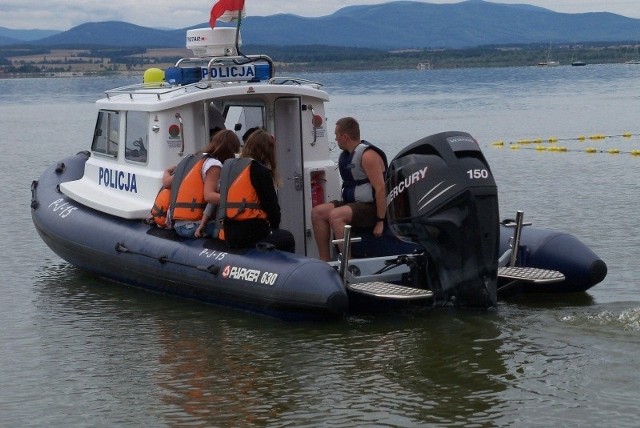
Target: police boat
(443, 244)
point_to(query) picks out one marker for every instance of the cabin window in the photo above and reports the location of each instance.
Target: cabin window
(136, 136)
(241, 118)
(107, 134)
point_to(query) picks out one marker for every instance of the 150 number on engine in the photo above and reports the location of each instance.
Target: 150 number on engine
(478, 174)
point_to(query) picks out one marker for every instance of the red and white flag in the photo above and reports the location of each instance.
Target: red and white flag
(223, 6)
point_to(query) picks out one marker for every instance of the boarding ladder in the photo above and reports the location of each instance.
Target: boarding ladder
(373, 285)
(508, 270)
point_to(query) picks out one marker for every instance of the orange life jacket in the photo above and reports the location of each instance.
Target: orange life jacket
(242, 202)
(185, 200)
(238, 198)
(187, 195)
(161, 207)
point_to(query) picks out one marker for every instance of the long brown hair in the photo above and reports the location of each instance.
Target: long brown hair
(223, 145)
(261, 146)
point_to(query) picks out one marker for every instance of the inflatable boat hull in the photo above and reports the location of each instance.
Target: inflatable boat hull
(264, 280)
(555, 250)
(272, 282)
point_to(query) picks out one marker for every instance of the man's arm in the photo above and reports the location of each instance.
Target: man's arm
(374, 168)
(167, 177)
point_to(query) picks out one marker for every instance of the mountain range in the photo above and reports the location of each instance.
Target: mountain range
(393, 25)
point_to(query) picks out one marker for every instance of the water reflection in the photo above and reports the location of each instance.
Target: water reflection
(203, 365)
(159, 360)
(544, 301)
(343, 375)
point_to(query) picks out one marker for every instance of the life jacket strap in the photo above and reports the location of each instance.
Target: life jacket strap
(158, 211)
(354, 183)
(191, 205)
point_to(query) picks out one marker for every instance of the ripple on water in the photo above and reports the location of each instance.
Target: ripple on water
(627, 320)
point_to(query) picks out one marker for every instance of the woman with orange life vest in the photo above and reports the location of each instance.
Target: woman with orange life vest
(208, 227)
(190, 185)
(249, 206)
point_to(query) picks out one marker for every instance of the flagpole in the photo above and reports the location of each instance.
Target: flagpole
(238, 32)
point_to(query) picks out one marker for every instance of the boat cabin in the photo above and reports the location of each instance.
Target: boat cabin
(145, 128)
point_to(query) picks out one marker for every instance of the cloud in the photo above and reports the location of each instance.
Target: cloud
(64, 14)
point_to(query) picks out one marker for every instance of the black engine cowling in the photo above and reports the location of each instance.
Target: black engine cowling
(442, 196)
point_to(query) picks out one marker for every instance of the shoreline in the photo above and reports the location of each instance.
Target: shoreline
(38, 62)
(325, 68)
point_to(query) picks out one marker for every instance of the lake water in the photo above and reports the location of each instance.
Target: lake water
(81, 351)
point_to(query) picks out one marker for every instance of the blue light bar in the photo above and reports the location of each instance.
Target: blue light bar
(263, 71)
(252, 72)
(183, 75)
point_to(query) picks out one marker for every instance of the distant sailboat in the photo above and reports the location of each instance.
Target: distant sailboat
(548, 62)
(635, 59)
(577, 62)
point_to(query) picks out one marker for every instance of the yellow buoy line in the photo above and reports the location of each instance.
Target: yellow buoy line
(551, 144)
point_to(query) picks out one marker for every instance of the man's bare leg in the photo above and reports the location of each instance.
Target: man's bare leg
(321, 229)
(338, 219)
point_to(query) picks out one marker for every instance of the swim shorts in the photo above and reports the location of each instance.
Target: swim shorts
(364, 214)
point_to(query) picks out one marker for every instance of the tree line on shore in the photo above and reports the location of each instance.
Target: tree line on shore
(20, 59)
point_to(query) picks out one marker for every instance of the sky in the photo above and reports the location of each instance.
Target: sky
(65, 14)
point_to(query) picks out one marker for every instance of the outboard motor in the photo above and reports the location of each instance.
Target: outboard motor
(442, 196)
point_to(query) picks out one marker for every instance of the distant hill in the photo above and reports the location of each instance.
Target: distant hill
(115, 33)
(394, 25)
(20, 36)
(8, 41)
(407, 24)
